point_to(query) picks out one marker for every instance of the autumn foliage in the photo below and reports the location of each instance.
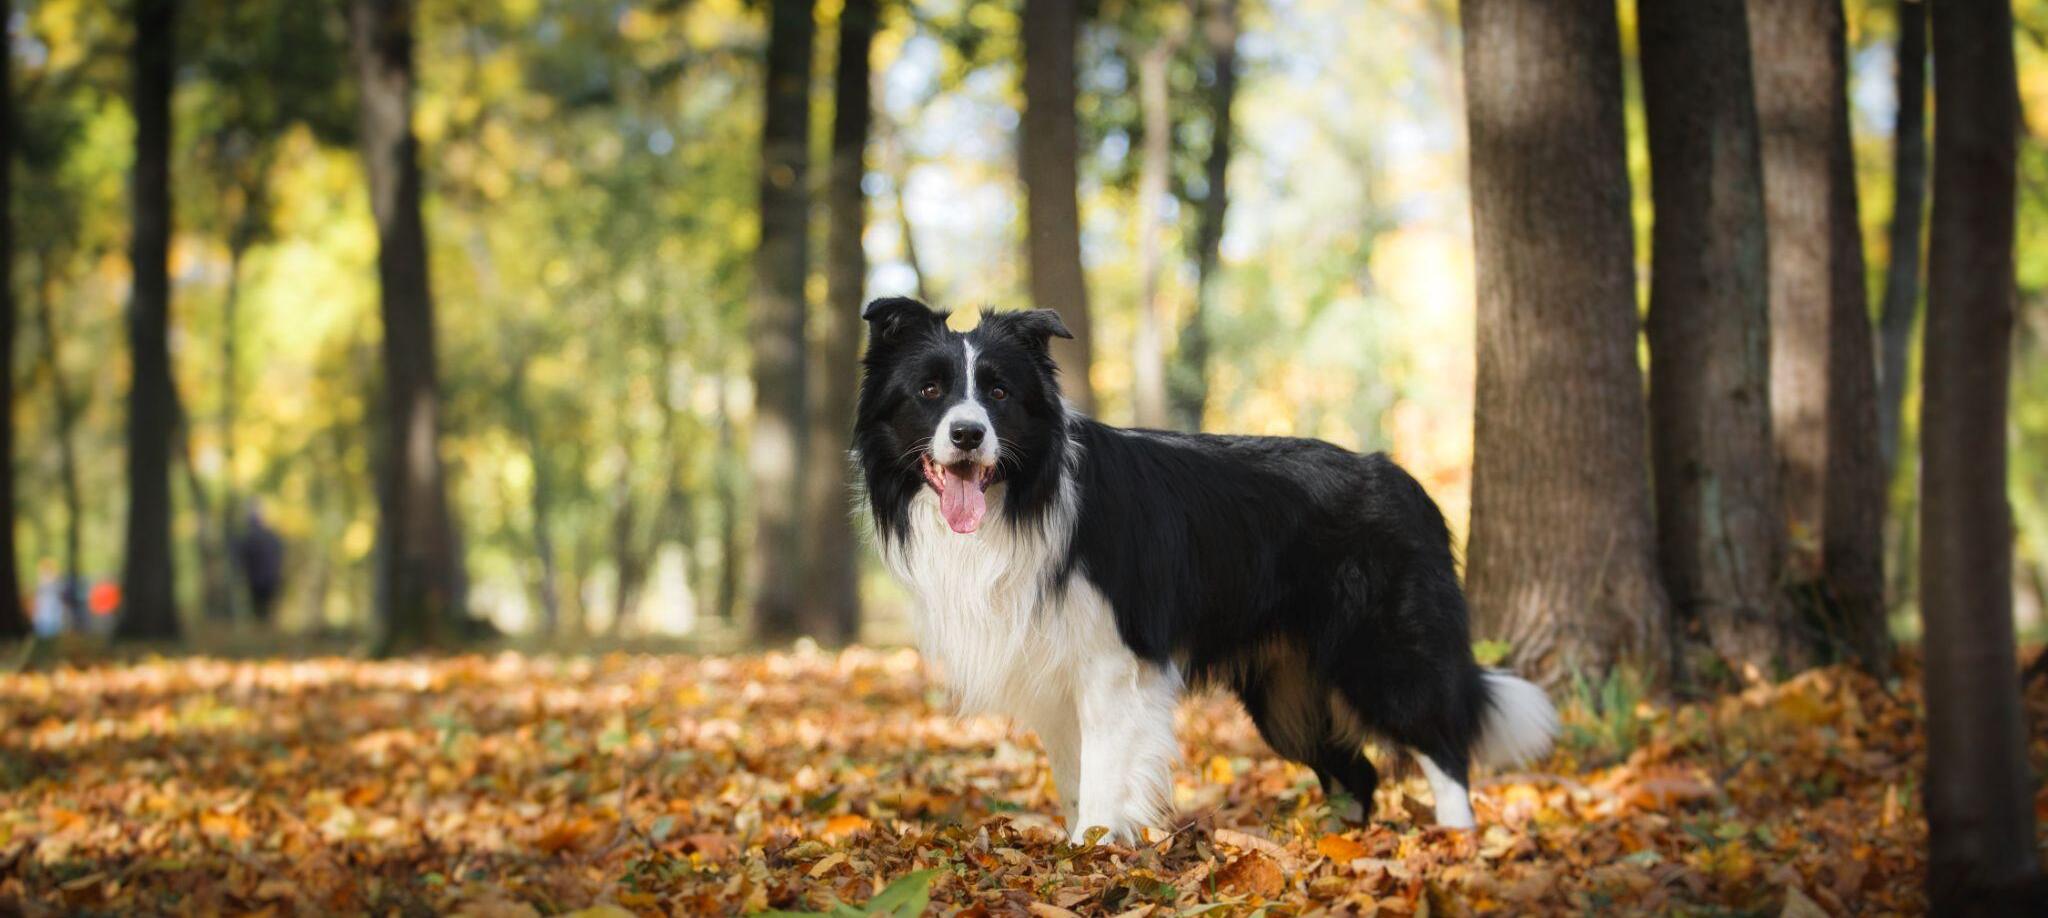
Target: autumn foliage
(514, 785)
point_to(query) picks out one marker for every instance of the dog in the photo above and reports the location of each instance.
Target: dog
(1079, 577)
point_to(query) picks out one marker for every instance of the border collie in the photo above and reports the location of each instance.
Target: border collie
(1078, 576)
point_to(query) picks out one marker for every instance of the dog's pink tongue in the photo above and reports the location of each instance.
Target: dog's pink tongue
(961, 501)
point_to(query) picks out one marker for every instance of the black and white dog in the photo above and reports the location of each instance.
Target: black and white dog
(1078, 577)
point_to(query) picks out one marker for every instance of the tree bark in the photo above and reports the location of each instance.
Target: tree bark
(1562, 560)
(149, 609)
(1189, 384)
(1718, 533)
(13, 621)
(1048, 146)
(1979, 796)
(833, 615)
(781, 264)
(1148, 357)
(419, 577)
(1823, 373)
(1909, 204)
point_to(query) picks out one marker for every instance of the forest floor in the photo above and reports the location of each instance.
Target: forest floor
(514, 785)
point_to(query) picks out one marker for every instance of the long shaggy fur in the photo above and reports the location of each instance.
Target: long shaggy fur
(1117, 566)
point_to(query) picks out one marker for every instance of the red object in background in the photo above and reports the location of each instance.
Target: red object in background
(104, 599)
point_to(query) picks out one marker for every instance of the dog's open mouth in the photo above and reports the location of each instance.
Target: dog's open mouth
(963, 491)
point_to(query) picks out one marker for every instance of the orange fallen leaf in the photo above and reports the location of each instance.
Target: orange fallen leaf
(1339, 849)
(564, 835)
(1252, 874)
(843, 825)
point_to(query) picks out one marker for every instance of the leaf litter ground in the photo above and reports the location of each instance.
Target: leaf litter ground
(513, 785)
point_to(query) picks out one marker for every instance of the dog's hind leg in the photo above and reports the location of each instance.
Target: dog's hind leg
(1292, 709)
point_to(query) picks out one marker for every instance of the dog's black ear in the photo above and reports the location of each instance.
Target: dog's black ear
(1037, 326)
(891, 317)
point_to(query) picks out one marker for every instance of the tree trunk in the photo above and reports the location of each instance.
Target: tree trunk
(149, 609)
(539, 501)
(230, 501)
(1979, 796)
(1823, 376)
(726, 489)
(1189, 385)
(896, 160)
(1562, 560)
(419, 578)
(1148, 357)
(1048, 144)
(1718, 534)
(65, 408)
(833, 614)
(13, 622)
(781, 264)
(1909, 200)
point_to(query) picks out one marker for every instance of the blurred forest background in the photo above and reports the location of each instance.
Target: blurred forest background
(395, 326)
(637, 354)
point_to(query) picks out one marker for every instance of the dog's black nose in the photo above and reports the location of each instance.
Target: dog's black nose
(967, 434)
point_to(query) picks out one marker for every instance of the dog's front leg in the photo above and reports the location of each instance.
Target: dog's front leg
(1058, 727)
(1125, 709)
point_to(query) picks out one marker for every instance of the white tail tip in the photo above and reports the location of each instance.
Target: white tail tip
(1519, 723)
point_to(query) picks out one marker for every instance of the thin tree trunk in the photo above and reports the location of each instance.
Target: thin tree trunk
(1189, 384)
(730, 563)
(419, 580)
(1048, 144)
(13, 622)
(896, 160)
(833, 572)
(1979, 796)
(212, 544)
(1718, 534)
(1562, 562)
(149, 609)
(1823, 373)
(540, 501)
(781, 264)
(230, 501)
(65, 407)
(1909, 203)
(1148, 358)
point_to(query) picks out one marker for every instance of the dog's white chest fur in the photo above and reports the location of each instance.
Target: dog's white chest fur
(989, 616)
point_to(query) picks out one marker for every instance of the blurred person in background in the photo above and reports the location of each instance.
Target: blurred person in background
(259, 554)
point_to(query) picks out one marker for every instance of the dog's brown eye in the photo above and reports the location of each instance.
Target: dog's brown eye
(999, 393)
(930, 390)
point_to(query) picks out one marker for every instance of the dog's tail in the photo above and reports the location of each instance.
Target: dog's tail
(1519, 722)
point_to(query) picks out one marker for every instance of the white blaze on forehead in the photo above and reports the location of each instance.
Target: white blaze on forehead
(967, 410)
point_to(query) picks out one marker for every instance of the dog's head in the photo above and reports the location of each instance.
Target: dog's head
(968, 416)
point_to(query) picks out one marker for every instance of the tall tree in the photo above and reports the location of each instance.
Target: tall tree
(1562, 562)
(1909, 205)
(833, 569)
(1979, 797)
(1048, 144)
(781, 263)
(1823, 373)
(149, 605)
(419, 576)
(1148, 357)
(1189, 384)
(1718, 531)
(12, 622)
